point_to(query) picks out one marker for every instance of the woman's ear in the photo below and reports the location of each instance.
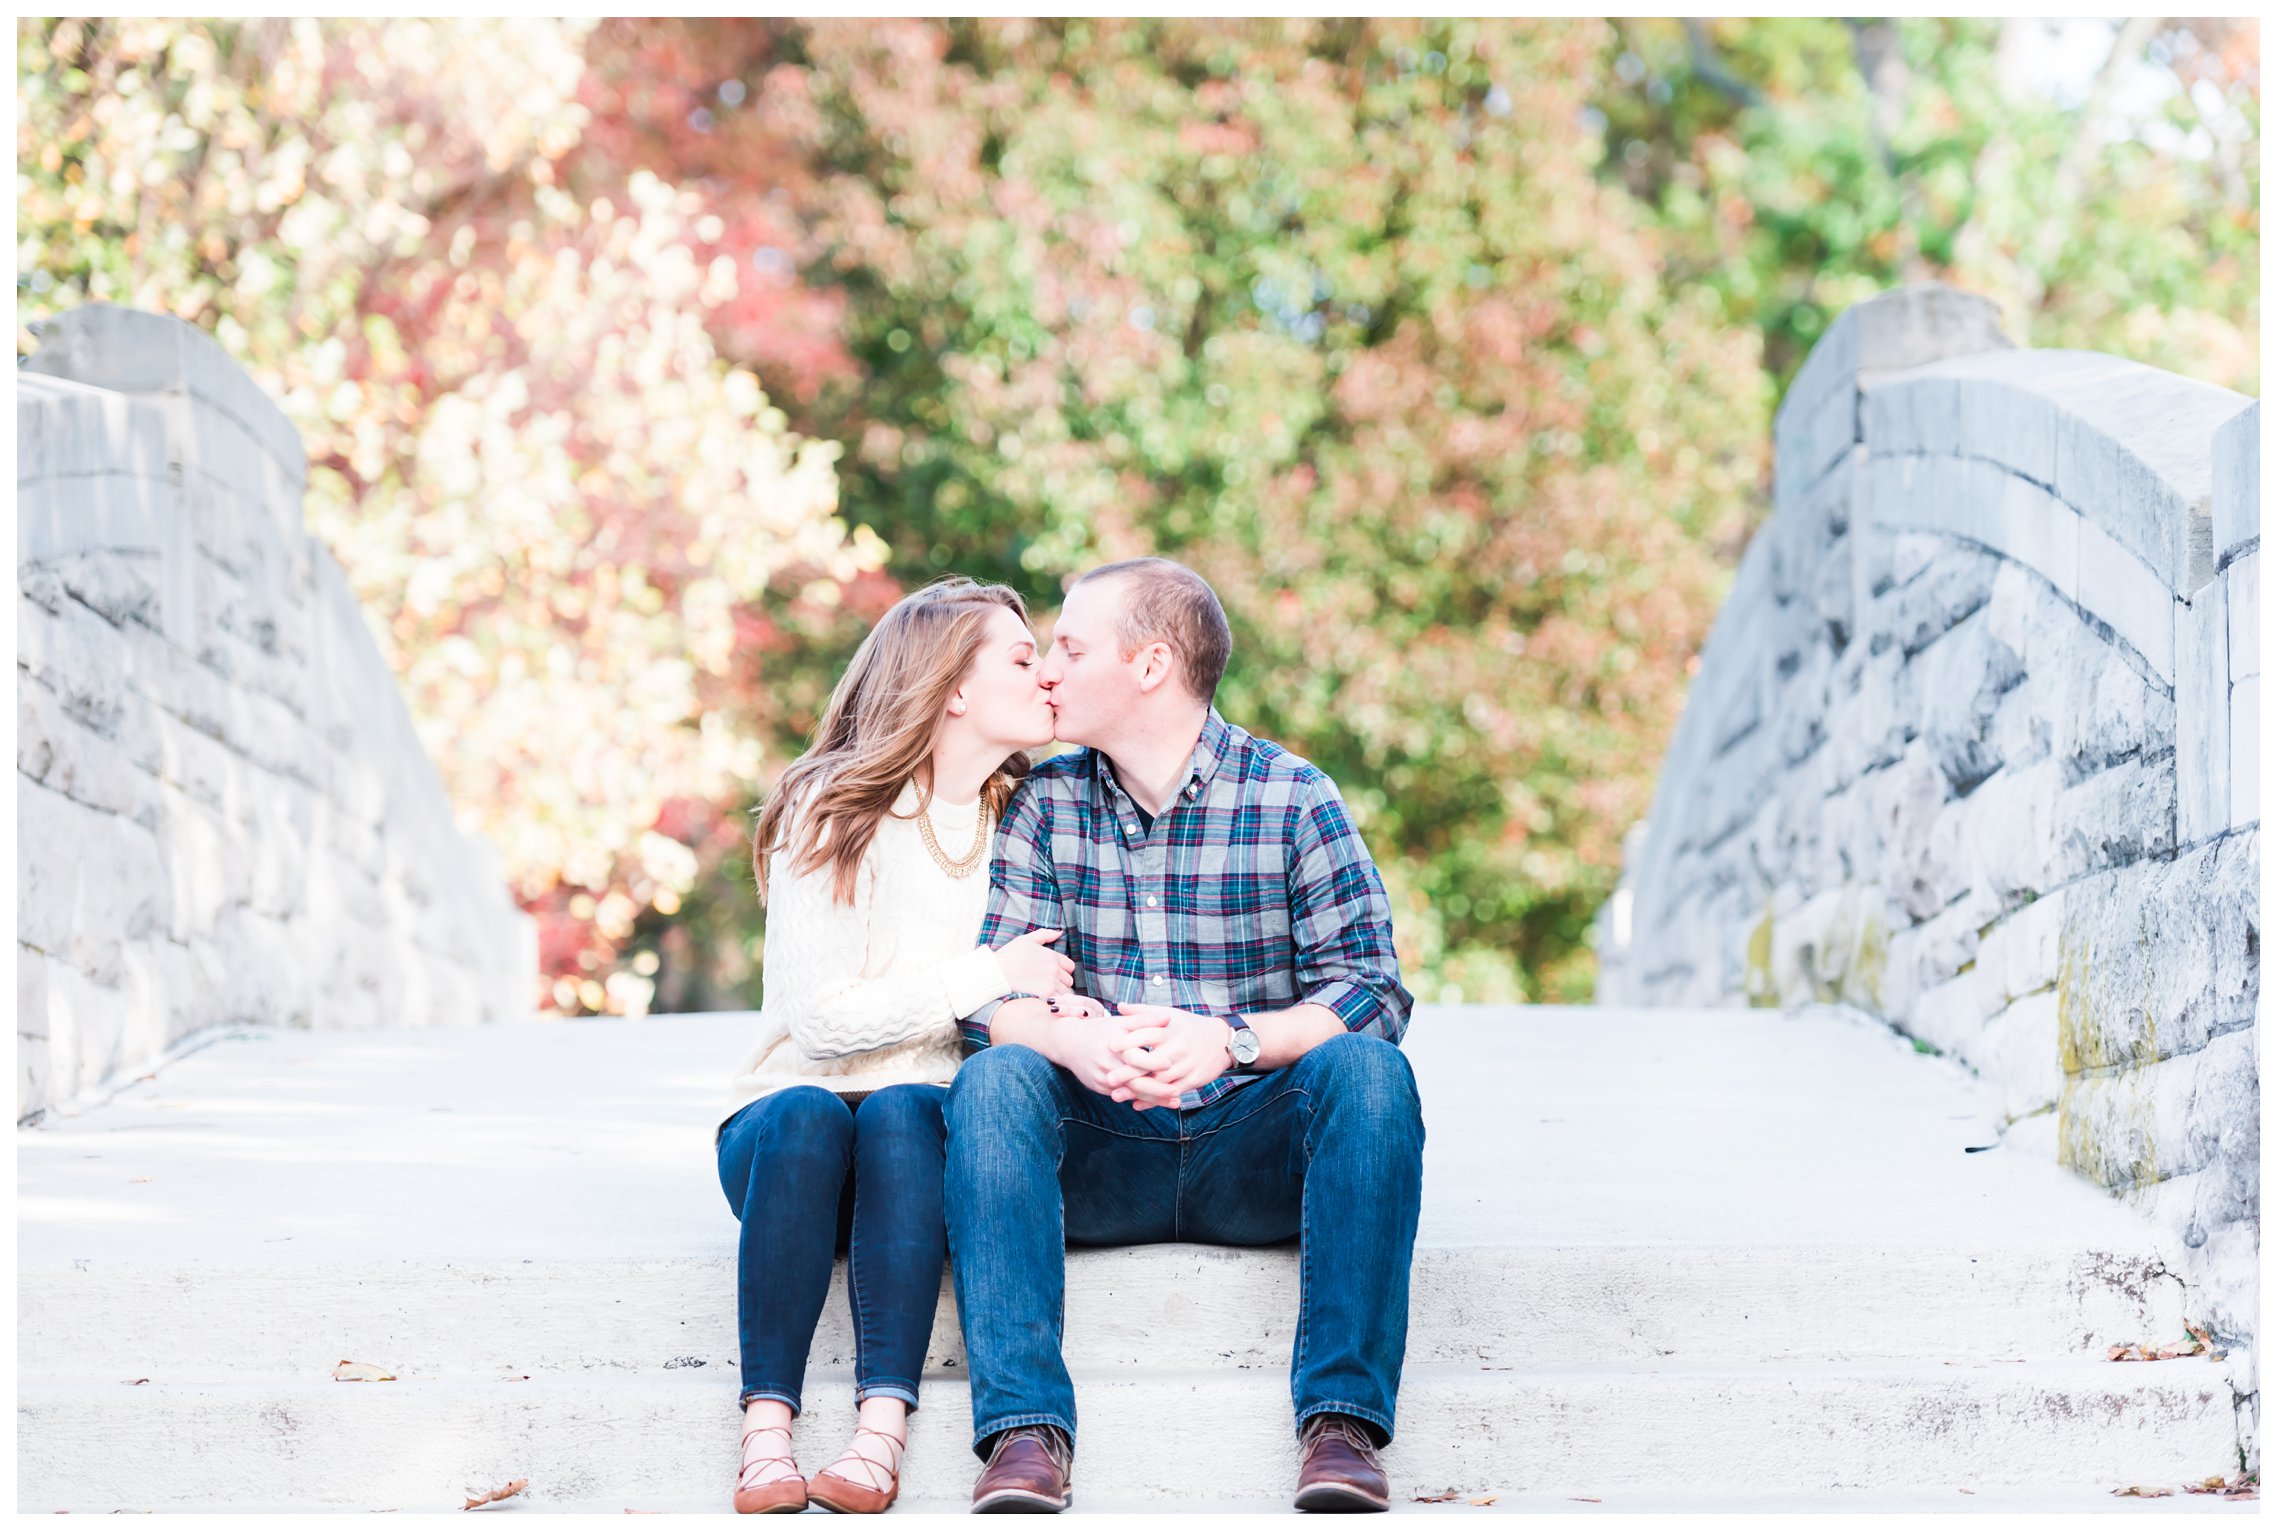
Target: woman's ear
(957, 704)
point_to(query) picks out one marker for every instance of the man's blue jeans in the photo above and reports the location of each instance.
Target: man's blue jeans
(809, 1176)
(1328, 1150)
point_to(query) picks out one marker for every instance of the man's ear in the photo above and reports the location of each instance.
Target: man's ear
(1159, 665)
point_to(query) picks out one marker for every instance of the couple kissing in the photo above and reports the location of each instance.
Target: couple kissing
(1143, 991)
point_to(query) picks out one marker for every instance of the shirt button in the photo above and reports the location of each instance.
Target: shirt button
(1151, 901)
(1157, 978)
(1133, 828)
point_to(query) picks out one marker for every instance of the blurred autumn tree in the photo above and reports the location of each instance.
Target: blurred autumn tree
(558, 509)
(1797, 165)
(1445, 350)
(1337, 313)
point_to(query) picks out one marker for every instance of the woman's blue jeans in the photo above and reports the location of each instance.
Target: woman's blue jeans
(810, 1176)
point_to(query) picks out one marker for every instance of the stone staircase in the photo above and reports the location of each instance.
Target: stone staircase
(1669, 1259)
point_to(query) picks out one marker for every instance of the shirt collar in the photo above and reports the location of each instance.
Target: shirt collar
(1202, 765)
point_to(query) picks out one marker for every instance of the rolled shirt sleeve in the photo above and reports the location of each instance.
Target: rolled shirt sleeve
(1023, 894)
(1340, 919)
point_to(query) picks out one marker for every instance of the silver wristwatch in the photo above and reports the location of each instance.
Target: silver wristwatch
(1241, 1042)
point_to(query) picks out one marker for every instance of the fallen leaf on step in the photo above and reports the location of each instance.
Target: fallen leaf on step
(1446, 1498)
(1485, 1499)
(2135, 1352)
(496, 1494)
(2244, 1486)
(136, 1381)
(2137, 1491)
(360, 1371)
(1585, 1498)
(139, 1180)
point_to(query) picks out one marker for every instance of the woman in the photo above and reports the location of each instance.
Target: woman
(872, 858)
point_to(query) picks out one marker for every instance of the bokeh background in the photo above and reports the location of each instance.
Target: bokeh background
(642, 364)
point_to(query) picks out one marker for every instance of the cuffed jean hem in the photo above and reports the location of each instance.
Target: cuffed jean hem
(1380, 1421)
(887, 1387)
(750, 1393)
(981, 1434)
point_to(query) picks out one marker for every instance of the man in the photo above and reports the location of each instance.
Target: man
(1228, 1071)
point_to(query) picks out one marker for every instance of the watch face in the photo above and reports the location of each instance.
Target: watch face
(1244, 1045)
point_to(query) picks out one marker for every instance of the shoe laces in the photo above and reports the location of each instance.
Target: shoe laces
(752, 1464)
(881, 1475)
(1061, 1451)
(1343, 1426)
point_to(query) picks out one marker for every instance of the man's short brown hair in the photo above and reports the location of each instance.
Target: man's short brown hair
(1169, 603)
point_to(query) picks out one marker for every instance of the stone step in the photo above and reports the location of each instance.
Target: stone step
(1195, 1438)
(1175, 1306)
(1722, 1252)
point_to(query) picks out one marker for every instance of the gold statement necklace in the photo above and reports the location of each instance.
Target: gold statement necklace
(972, 858)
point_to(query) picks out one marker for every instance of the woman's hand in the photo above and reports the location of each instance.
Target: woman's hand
(1032, 967)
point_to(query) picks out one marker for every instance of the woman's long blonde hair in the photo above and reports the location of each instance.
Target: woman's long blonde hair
(878, 731)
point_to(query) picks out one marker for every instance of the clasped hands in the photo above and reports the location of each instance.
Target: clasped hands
(1148, 1055)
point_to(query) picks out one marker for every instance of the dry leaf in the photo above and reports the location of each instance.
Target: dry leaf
(139, 1180)
(2137, 1491)
(360, 1371)
(1585, 1498)
(2135, 1352)
(2244, 1486)
(1445, 1498)
(136, 1381)
(496, 1494)
(1485, 1499)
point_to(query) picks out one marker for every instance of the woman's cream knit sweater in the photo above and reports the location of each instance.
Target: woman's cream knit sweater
(855, 999)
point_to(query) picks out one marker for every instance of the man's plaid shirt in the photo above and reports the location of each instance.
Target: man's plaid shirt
(1251, 892)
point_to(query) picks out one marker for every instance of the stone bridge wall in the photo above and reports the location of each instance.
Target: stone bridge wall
(1972, 747)
(223, 813)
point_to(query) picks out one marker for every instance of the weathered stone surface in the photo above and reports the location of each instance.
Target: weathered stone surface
(2130, 1127)
(2122, 592)
(2018, 1057)
(1936, 950)
(87, 882)
(1955, 685)
(2117, 816)
(2202, 713)
(2015, 827)
(2160, 957)
(121, 350)
(2013, 699)
(2245, 751)
(1957, 582)
(2241, 585)
(54, 750)
(2021, 954)
(223, 812)
(2237, 484)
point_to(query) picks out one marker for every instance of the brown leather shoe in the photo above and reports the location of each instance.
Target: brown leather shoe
(1030, 1470)
(1340, 1469)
